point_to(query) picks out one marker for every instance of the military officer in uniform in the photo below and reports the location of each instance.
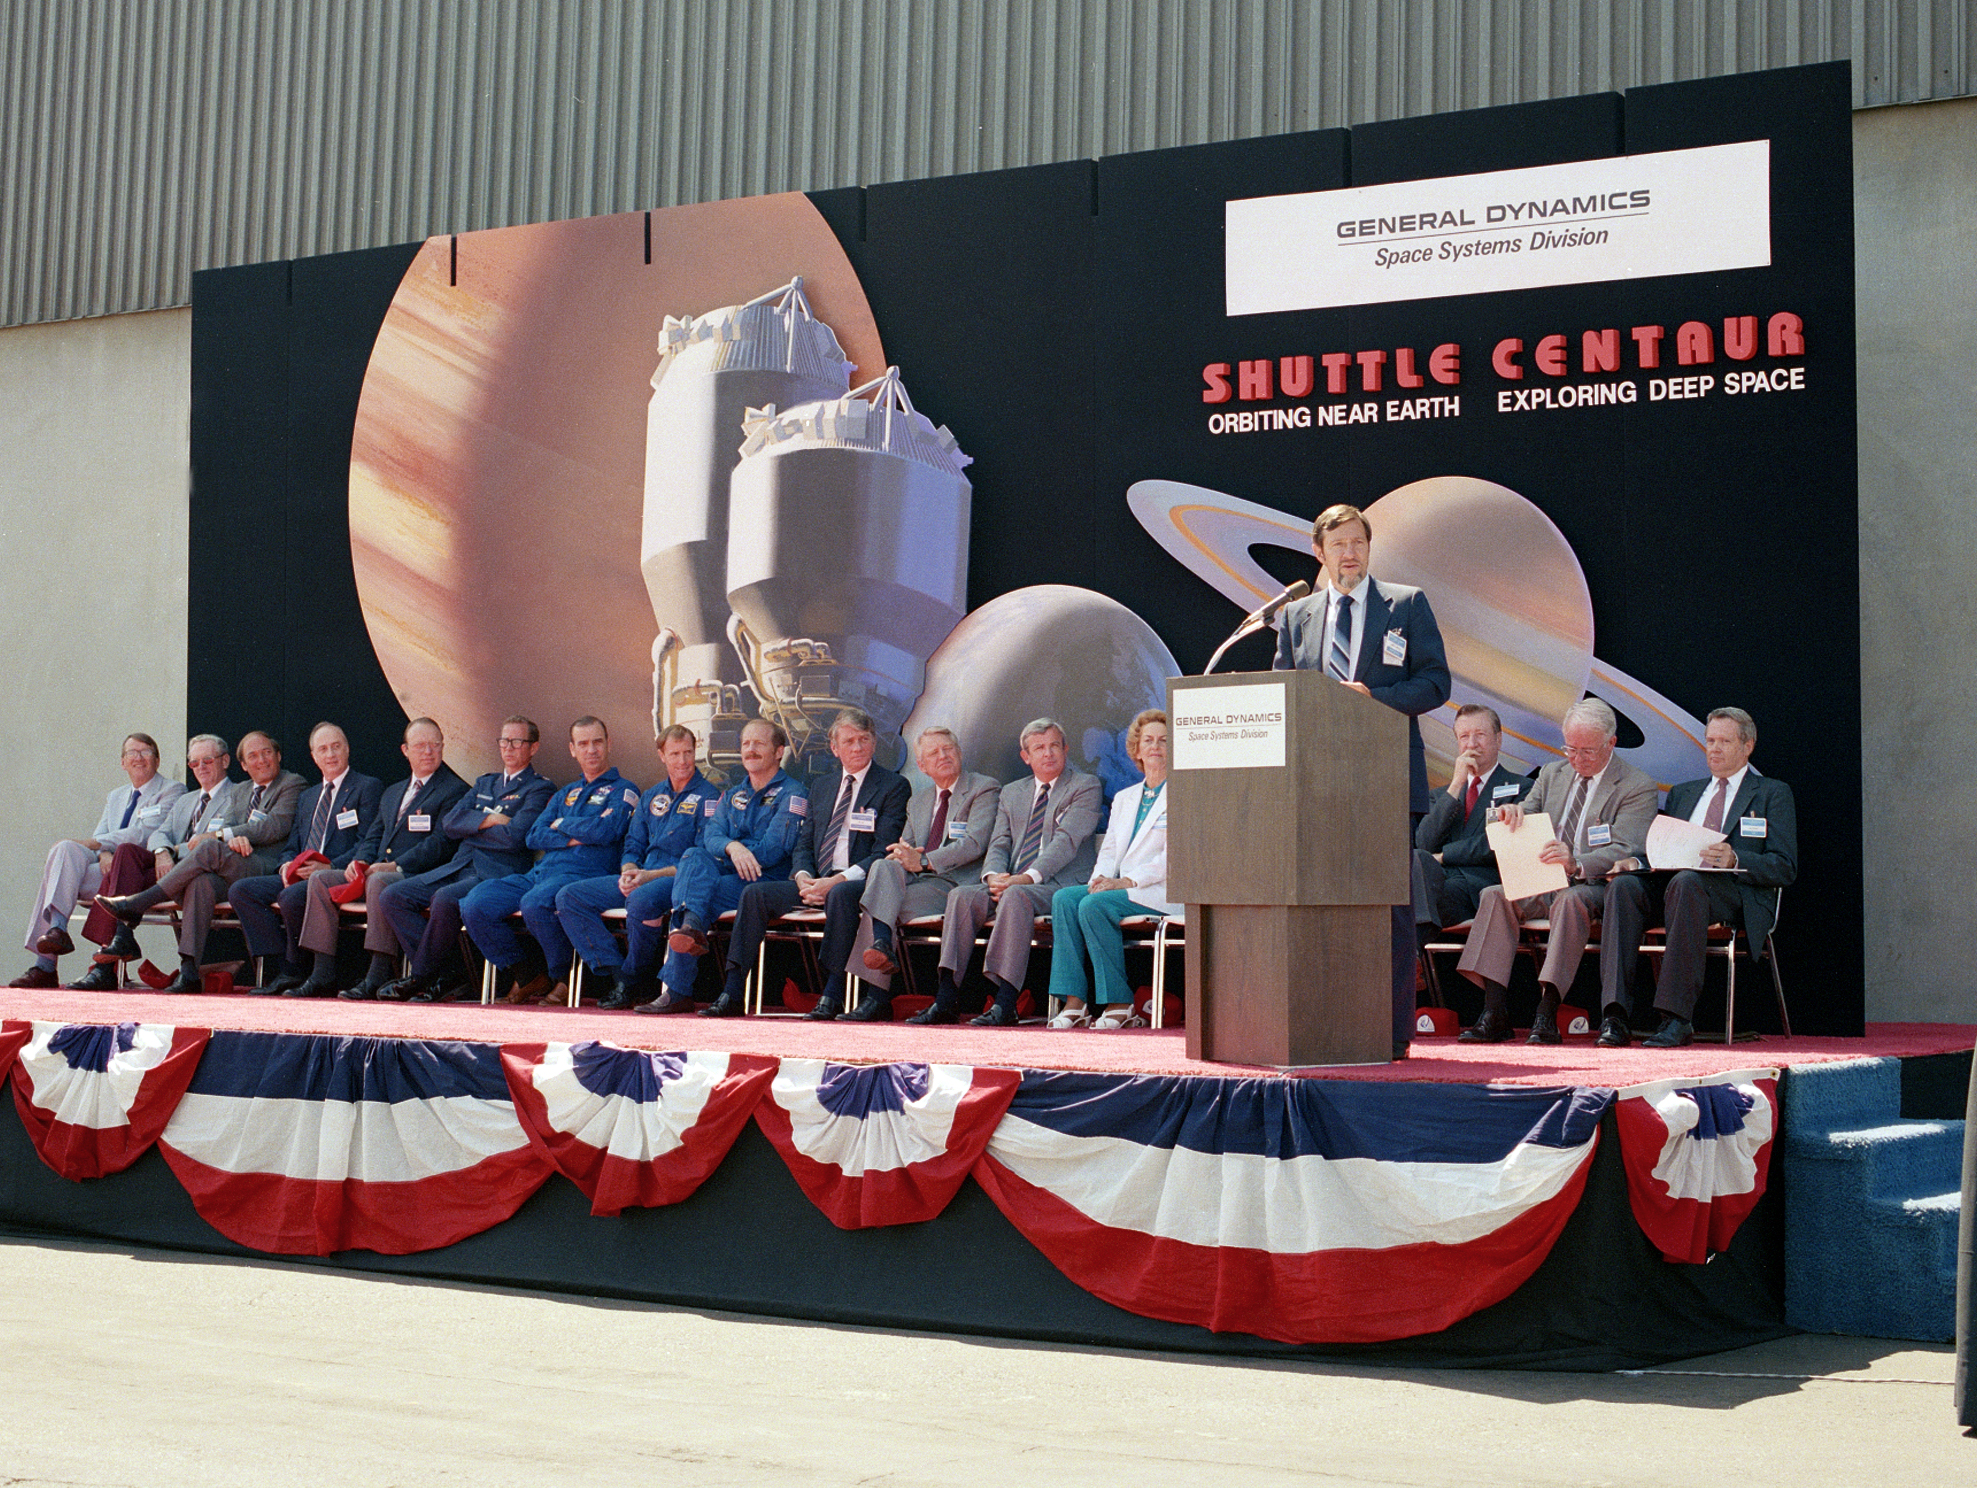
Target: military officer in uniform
(751, 836)
(75, 868)
(489, 827)
(579, 834)
(667, 823)
(332, 818)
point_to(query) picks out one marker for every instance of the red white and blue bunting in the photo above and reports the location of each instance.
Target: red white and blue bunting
(1299, 1210)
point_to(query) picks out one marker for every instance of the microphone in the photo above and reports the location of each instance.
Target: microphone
(1256, 619)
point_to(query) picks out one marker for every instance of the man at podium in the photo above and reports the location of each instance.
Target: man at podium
(1381, 640)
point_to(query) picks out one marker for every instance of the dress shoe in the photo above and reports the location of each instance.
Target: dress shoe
(666, 1002)
(283, 985)
(525, 994)
(1672, 1034)
(935, 1014)
(688, 940)
(55, 943)
(185, 981)
(557, 996)
(879, 961)
(35, 977)
(827, 1010)
(727, 1005)
(1544, 1029)
(367, 989)
(995, 1015)
(1614, 1033)
(1490, 1028)
(119, 909)
(1401, 1047)
(447, 992)
(102, 977)
(312, 986)
(619, 996)
(123, 946)
(404, 988)
(871, 1010)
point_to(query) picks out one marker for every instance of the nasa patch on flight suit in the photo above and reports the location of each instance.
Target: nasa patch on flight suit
(799, 805)
(689, 804)
(571, 798)
(661, 804)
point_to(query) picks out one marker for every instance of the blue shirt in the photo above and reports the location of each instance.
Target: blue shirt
(765, 822)
(584, 825)
(668, 822)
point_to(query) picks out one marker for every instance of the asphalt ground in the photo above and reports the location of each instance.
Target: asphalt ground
(147, 1368)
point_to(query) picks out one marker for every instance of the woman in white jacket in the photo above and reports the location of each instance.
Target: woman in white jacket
(1129, 878)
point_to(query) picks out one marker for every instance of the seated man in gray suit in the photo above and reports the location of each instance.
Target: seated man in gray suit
(1042, 841)
(1600, 807)
(1453, 863)
(948, 824)
(235, 840)
(1761, 843)
(75, 867)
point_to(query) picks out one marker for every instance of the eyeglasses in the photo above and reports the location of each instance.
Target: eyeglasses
(506, 743)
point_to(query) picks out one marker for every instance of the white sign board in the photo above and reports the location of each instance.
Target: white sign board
(1229, 728)
(1621, 217)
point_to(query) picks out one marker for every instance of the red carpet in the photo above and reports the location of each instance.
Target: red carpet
(1139, 1051)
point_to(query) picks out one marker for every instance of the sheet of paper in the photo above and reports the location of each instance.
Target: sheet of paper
(1517, 857)
(1673, 842)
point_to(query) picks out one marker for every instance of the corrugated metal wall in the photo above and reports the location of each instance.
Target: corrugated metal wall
(143, 139)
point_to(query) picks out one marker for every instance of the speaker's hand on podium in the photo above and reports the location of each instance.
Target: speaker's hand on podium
(1359, 687)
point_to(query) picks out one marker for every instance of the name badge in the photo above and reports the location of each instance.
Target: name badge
(1753, 826)
(347, 818)
(418, 821)
(956, 830)
(1393, 648)
(1599, 835)
(861, 821)
(256, 816)
(1508, 788)
(145, 812)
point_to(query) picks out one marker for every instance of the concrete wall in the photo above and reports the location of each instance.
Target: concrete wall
(1915, 215)
(93, 507)
(93, 419)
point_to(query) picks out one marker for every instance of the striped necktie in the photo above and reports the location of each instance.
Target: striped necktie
(319, 828)
(1569, 835)
(1033, 833)
(827, 849)
(1338, 661)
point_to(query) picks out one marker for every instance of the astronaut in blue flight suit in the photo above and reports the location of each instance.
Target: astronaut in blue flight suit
(578, 834)
(667, 823)
(751, 836)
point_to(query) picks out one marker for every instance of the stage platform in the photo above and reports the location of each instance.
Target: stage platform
(1138, 1051)
(1187, 1217)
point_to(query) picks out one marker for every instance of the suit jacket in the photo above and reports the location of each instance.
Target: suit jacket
(262, 826)
(154, 804)
(971, 803)
(178, 817)
(883, 793)
(1625, 801)
(1067, 851)
(360, 793)
(497, 851)
(1460, 839)
(1418, 684)
(390, 839)
(1772, 859)
(1142, 855)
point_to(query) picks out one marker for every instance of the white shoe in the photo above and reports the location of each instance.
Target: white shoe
(1069, 1019)
(1119, 1015)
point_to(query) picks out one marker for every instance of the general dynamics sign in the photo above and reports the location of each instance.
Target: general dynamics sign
(1622, 217)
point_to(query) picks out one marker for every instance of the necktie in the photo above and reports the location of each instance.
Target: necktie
(319, 828)
(1339, 661)
(1569, 836)
(1713, 818)
(1469, 796)
(130, 810)
(828, 847)
(411, 795)
(936, 834)
(1033, 833)
(205, 800)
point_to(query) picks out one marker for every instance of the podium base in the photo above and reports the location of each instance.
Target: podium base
(1285, 985)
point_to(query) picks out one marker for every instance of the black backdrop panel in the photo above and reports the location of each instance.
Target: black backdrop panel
(1059, 319)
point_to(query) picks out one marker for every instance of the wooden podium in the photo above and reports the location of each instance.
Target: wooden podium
(1286, 821)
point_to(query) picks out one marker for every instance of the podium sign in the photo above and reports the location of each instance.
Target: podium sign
(1286, 825)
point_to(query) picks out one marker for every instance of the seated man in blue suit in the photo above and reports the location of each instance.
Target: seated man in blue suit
(331, 819)
(1758, 856)
(490, 827)
(1381, 640)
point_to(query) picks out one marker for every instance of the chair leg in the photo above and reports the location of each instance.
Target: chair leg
(1730, 993)
(576, 979)
(487, 982)
(759, 984)
(1777, 984)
